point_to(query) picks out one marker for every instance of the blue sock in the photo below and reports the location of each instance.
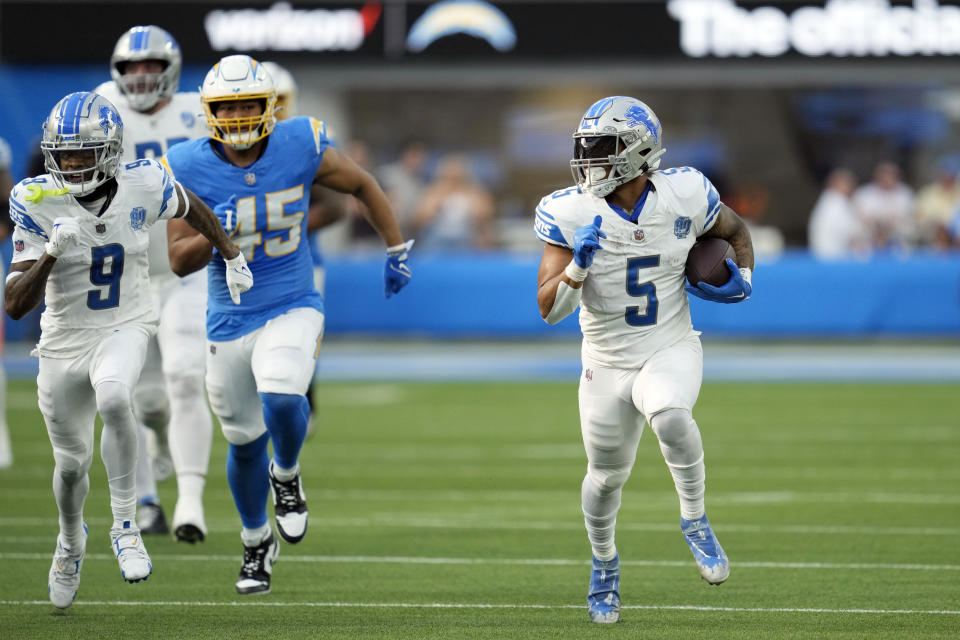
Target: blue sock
(248, 479)
(287, 417)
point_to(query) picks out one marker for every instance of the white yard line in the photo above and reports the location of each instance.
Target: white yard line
(539, 562)
(476, 605)
(484, 523)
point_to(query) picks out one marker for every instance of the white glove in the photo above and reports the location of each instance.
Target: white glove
(239, 278)
(65, 232)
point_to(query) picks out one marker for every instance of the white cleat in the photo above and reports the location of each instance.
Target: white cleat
(130, 552)
(188, 523)
(290, 506)
(64, 579)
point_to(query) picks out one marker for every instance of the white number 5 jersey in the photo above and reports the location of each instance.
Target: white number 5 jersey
(101, 280)
(634, 302)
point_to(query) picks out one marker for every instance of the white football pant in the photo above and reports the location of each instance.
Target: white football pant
(279, 357)
(71, 393)
(614, 405)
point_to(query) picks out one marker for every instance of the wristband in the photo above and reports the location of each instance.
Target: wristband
(400, 248)
(575, 272)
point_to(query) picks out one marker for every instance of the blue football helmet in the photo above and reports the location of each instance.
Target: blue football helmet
(618, 139)
(144, 90)
(82, 124)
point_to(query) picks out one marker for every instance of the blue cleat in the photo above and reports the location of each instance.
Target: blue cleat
(711, 559)
(603, 599)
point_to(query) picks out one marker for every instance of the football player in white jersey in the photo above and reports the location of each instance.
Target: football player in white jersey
(616, 245)
(80, 245)
(169, 400)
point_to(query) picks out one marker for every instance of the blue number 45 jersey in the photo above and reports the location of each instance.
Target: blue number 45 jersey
(270, 225)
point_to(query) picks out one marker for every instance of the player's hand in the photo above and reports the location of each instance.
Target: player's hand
(737, 289)
(65, 232)
(586, 242)
(239, 278)
(396, 271)
(227, 212)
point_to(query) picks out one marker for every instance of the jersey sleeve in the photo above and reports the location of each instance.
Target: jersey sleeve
(704, 200)
(29, 235)
(163, 199)
(555, 220)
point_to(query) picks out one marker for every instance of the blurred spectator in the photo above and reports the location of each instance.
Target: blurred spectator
(885, 207)
(937, 202)
(456, 212)
(751, 203)
(834, 231)
(403, 181)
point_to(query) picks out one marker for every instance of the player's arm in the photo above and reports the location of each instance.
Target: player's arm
(326, 207)
(552, 274)
(738, 288)
(191, 238)
(27, 281)
(340, 173)
(733, 229)
(26, 285)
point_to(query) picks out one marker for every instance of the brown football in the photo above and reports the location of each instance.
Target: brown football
(706, 261)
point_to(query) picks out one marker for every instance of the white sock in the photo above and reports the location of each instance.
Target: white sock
(284, 475)
(253, 537)
(190, 485)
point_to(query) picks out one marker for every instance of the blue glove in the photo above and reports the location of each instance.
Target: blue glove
(227, 212)
(586, 242)
(737, 288)
(396, 272)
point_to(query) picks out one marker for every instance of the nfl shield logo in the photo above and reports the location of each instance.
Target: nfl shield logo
(137, 217)
(588, 374)
(18, 245)
(638, 235)
(250, 178)
(101, 228)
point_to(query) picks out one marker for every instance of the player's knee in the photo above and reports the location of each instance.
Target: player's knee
(186, 388)
(72, 466)
(607, 480)
(673, 426)
(114, 402)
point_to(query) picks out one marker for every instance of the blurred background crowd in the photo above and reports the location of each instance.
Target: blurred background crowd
(831, 126)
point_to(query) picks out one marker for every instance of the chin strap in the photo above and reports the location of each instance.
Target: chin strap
(37, 193)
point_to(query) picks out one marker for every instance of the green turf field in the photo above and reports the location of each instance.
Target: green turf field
(452, 511)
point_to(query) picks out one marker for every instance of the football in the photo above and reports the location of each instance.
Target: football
(706, 261)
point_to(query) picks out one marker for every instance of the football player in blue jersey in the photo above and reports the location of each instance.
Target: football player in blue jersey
(256, 173)
(616, 244)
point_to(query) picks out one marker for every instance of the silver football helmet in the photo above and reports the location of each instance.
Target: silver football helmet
(286, 88)
(617, 140)
(238, 78)
(81, 142)
(144, 90)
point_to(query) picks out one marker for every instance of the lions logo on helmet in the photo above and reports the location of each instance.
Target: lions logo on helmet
(144, 90)
(81, 142)
(617, 140)
(238, 78)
